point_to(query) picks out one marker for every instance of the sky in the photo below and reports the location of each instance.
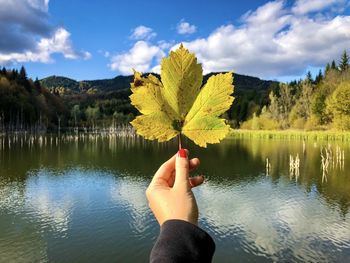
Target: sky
(83, 40)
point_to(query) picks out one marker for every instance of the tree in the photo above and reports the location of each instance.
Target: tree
(304, 101)
(92, 114)
(75, 112)
(319, 77)
(344, 62)
(285, 102)
(309, 77)
(118, 117)
(333, 65)
(328, 67)
(338, 106)
(23, 73)
(274, 108)
(37, 85)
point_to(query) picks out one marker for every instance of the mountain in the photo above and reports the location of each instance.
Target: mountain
(251, 93)
(57, 81)
(242, 83)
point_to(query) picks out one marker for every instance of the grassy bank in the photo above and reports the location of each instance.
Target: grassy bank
(291, 135)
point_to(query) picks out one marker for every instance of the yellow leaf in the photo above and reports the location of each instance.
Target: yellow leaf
(154, 126)
(202, 124)
(178, 105)
(206, 130)
(182, 78)
(147, 96)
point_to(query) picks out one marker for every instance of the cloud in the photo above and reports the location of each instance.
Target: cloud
(302, 226)
(273, 42)
(306, 6)
(106, 54)
(185, 28)
(140, 57)
(143, 32)
(27, 35)
(58, 43)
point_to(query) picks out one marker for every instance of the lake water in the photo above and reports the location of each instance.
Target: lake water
(82, 199)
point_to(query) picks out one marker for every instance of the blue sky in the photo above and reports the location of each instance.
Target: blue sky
(101, 39)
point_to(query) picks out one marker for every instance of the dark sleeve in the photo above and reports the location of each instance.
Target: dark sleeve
(180, 241)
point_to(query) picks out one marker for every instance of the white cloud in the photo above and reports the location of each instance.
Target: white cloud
(263, 235)
(273, 42)
(143, 32)
(140, 57)
(58, 43)
(185, 28)
(104, 53)
(165, 45)
(307, 6)
(27, 35)
(40, 4)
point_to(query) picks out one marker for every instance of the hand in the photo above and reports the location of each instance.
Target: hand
(170, 193)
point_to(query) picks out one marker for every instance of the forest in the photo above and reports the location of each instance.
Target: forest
(25, 105)
(57, 103)
(310, 104)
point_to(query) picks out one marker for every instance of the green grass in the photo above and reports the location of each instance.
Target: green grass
(291, 135)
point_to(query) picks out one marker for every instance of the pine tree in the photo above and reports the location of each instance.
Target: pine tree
(309, 77)
(23, 80)
(328, 67)
(319, 77)
(23, 74)
(4, 71)
(333, 65)
(344, 62)
(37, 85)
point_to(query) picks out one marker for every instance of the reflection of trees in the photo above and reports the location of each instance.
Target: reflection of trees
(231, 161)
(238, 198)
(337, 188)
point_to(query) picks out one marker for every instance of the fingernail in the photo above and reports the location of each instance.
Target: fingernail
(182, 153)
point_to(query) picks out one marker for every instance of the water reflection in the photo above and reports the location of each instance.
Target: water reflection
(84, 199)
(69, 209)
(276, 221)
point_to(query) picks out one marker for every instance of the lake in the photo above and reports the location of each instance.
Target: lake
(81, 199)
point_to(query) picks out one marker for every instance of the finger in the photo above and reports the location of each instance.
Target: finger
(182, 170)
(196, 181)
(164, 172)
(194, 163)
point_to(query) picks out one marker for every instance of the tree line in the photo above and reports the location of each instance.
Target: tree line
(310, 104)
(316, 103)
(25, 104)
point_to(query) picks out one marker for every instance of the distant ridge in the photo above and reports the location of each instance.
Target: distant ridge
(242, 83)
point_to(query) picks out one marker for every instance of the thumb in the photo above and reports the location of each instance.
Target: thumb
(182, 170)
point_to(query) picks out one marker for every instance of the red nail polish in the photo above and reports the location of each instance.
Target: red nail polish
(182, 153)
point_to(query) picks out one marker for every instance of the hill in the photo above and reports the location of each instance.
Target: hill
(58, 81)
(242, 83)
(251, 93)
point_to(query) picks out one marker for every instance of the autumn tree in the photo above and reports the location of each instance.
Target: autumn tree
(338, 106)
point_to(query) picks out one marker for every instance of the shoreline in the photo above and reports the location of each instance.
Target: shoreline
(327, 135)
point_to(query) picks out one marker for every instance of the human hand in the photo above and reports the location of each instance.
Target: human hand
(170, 193)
